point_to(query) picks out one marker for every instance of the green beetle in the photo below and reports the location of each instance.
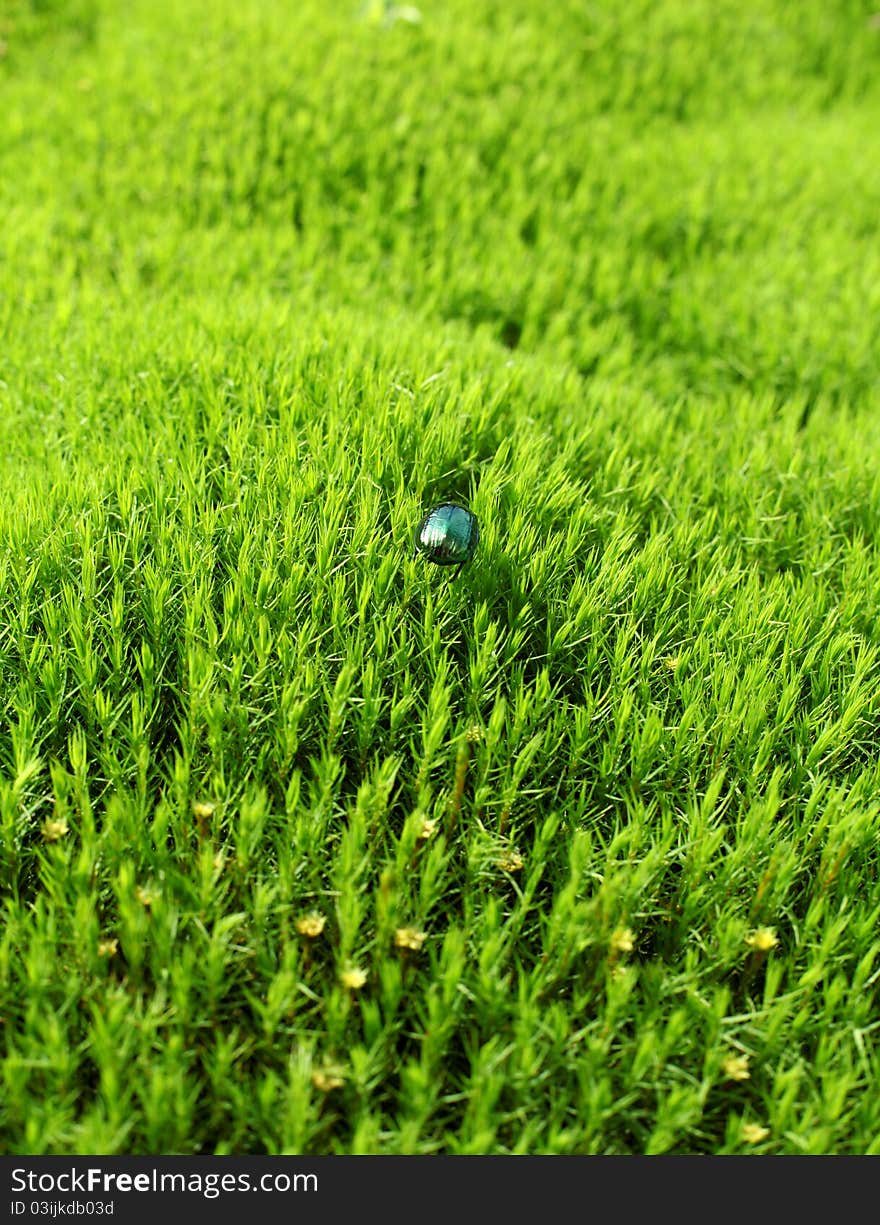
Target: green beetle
(448, 536)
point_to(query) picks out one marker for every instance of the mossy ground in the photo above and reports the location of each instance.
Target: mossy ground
(304, 848)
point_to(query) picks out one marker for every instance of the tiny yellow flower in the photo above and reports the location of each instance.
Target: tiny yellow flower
(763, 939)
(736, 1067)
(409, 938)
(353, 978)
(146, 894)
(622, 940)
(108, 948)
(311, 925)
(511, 862)
(327, 1080)
(54, 829)
(754, 1133)
(474, 734)
(671, 662)
(428, 826)
(202, 809)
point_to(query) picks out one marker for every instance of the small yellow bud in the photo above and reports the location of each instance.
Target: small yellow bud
(754, 1133)
(311, 925)
(53, 830)
(736, 1067)
(511, 862)
(763, 939)
(326, 1080)
(622, 940)
(428, 826)
(409, 938)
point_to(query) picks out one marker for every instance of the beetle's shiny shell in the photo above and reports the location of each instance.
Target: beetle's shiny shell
(448, 535)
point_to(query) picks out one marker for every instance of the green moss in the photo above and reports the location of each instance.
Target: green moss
(273, 280)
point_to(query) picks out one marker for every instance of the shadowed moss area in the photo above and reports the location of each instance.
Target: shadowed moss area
(303, 847)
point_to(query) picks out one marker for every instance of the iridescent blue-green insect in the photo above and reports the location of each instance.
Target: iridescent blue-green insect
(448, 536)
